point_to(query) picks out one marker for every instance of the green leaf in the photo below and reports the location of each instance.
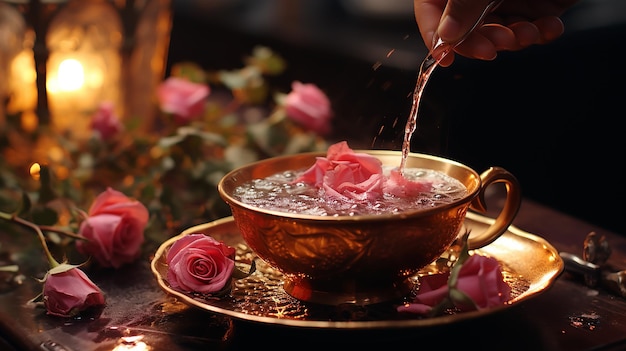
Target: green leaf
(456, 268)
(239, 274)
(168, 142)
(267, 60)
(234, 79)
(63, 267)
(190, 71)
(462, 300)
(458, 297)
(11, 268)
(37, 299)
(238, 155)
(441, 307)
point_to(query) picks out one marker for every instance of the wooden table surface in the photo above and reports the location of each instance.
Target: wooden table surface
(567, 316)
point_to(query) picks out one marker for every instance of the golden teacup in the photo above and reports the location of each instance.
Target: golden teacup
(362, 259)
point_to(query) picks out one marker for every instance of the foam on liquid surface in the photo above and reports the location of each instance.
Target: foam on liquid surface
(278, 193)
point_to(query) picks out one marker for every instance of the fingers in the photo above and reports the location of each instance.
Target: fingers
(485, 42)
(550, 28)
(459, 16)
(427, 15)
(477, 46)
(541, 31)
(502, 37)
(513, 26)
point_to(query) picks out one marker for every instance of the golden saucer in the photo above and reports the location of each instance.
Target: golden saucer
(531, 265)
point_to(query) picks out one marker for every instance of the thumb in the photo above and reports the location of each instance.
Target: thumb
(459, 17)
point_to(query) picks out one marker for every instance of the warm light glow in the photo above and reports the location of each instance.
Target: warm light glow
(35, 170)
(29, 121)
(73, 91)
(71, 75)
(56, 153)
(23, 83)
(132, 343)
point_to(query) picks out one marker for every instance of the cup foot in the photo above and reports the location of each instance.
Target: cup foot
(347, 293)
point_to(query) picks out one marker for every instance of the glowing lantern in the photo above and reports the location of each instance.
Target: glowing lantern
(65, 57)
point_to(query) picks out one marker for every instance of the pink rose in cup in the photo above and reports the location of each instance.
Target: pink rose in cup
(114, 229)
(345, 174)
(480, 278)
(399, 186)
(182, 98)
(105, 122)
(348, 175)
(70, 292)
(199, 263)
(308, 106)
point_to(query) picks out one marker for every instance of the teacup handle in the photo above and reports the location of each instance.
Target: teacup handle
(512, 205)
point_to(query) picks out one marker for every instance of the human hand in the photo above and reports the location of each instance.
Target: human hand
(514, 25)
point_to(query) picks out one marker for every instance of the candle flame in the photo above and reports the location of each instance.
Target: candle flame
(70, 76)
(35, 171)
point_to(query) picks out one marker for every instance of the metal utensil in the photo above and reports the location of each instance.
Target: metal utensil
(441, 49)
(593, 268)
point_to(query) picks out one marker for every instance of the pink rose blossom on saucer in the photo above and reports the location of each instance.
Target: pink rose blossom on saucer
(199, 263)
(480, 278)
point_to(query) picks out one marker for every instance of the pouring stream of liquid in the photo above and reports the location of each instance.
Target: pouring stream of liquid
(440, 50)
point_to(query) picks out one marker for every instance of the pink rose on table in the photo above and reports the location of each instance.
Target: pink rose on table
(480, 278)
(67, 293)
(308, 106)
(345, 174)
(199, 263)
(114, 229)
(182, 98)
(105, 122)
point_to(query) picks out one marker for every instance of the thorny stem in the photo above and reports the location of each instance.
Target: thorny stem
(38, 230)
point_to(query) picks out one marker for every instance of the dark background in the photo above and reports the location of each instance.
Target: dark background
(550, 114)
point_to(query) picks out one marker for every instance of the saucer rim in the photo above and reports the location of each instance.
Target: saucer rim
(540, 282)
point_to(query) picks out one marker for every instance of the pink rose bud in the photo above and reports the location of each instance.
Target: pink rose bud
(199, 263)
(71, 292)
(308, 106)
(184, 99)
(105, 122)
(114, 229)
